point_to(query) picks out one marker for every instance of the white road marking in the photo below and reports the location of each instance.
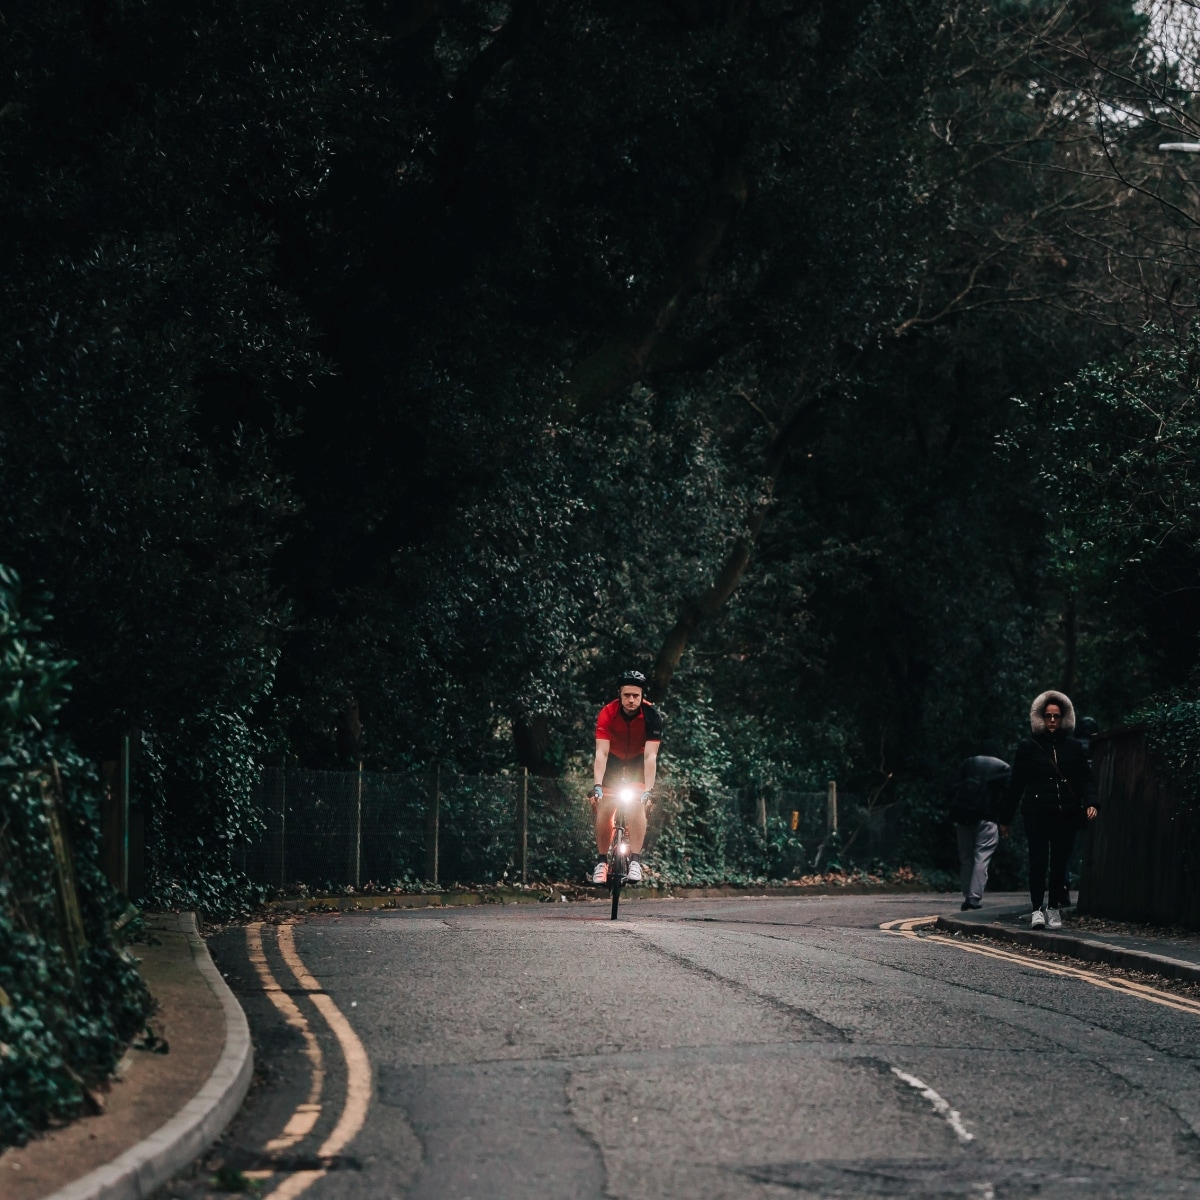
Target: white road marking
(940, 1104)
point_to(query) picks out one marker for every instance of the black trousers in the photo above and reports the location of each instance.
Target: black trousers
(1051, 837)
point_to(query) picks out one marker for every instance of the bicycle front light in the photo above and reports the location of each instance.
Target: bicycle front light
(627, 795)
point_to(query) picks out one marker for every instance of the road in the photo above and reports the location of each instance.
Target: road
(735, 1048)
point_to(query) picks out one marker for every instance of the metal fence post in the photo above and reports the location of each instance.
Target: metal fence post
(283, 827)
(762, 810)
(124, 810)
(525, 826)
(358, 827)
(831, 814)
(431, 828)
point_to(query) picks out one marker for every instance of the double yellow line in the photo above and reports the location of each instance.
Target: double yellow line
(358, 1067)
(907, 926)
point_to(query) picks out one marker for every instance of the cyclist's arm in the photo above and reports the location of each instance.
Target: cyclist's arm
(651, 763)
(602, 745)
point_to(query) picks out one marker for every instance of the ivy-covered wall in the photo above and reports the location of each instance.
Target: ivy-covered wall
(70, 996)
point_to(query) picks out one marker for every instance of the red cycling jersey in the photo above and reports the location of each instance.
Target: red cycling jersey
(627, 736)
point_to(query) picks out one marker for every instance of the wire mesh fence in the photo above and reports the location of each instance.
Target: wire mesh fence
(340, 829)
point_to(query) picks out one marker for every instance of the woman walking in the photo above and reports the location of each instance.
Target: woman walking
(1052, 782)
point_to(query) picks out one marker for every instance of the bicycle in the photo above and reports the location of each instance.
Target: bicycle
(618, 849)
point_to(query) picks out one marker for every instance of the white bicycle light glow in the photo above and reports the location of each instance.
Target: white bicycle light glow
(622, 849)
(627, 794)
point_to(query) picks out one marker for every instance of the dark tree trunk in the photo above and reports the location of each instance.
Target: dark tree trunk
(699, 608)
(531, 737)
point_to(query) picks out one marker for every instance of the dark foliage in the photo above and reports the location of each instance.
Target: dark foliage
(147, 150)
(385, 377)
(70, 996)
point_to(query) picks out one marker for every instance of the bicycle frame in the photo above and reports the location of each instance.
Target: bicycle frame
(618, 848)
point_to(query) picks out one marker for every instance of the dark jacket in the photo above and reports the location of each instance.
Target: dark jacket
(980, 790)
(1050, 773)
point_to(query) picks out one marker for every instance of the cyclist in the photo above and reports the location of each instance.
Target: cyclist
(628, 733)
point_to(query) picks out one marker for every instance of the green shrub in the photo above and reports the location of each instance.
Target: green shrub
(1173, 739)
(70, 996)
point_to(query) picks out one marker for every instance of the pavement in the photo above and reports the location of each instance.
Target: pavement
(1157, 953)
(462, 1011)
(161, 1109)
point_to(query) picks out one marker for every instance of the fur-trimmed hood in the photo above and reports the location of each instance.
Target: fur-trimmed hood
(1038, 723)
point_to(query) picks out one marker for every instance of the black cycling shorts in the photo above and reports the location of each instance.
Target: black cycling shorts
(624, 770)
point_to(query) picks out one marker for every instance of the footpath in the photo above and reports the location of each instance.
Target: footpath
(1174, 954)
(162, 1109)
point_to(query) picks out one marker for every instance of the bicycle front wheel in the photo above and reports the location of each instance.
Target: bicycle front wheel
(615, 887)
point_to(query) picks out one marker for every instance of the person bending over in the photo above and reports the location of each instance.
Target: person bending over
(628, 733)
(976, 799)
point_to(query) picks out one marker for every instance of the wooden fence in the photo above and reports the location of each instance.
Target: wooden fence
(1141, 859)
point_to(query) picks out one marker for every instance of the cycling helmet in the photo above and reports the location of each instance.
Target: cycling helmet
(632, 679)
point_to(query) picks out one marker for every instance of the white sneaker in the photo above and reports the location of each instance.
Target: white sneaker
(1038, 920)
(600, 874)
(1053, 918)
(635, 872)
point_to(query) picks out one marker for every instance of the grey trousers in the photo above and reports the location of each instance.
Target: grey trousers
(976, 845)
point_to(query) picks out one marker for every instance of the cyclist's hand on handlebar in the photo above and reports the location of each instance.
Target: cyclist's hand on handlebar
(597, 794)
(648, 800)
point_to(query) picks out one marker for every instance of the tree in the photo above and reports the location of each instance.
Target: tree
(473, 352)
(725, 239)
(148, 356)
(70, 998)
(1121, 441)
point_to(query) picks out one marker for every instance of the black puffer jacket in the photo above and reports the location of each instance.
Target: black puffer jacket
(1051, 772)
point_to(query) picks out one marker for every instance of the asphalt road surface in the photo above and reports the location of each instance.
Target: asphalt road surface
(735, 1048)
